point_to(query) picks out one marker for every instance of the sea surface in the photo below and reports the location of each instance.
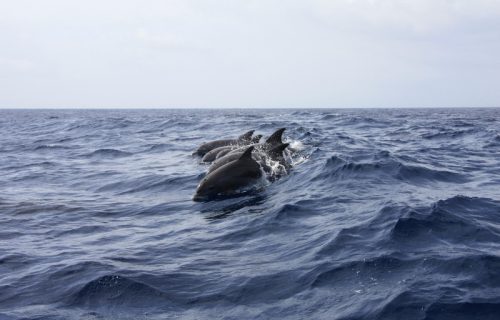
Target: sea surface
(386, 214)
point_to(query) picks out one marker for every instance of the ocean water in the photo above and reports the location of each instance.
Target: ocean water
(386, 214)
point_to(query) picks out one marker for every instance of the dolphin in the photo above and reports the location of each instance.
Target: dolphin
(206, 147)
(273, 141)
(223, 153)
(230, 177)
(275, 154)
(254, 141)
(212, 154)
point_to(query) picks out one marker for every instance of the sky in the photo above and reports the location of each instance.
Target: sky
(249, 53)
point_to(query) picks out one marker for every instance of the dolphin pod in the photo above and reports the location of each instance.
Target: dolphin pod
(244, 139)
(238, 164)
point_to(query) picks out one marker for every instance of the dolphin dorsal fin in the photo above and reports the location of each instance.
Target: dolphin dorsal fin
(279, 149)
(247, 154)
(246, 135)
(275, 138)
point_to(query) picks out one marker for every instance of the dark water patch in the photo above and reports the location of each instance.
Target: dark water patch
(82, 230)
(104, 174)
(300, 113)
(494, 143)
(228, 207)
(329, 117)
(51, 147)
(463, 310)
(28, 208)
(299, 210)
(364, 122)
(15, 261)
(462, 123)
(43, 165)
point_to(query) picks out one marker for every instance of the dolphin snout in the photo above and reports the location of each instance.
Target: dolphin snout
(197, 198)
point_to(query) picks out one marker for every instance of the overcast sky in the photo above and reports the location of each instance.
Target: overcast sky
(244, 53)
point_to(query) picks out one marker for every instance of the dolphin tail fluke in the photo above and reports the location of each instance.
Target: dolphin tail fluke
(275, 138)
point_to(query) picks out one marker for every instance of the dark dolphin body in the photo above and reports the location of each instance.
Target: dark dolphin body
(229, 178)
(275, 140)
(245, 138)
(276, 154)
(223, 153)
(212, 154)
(230, 157)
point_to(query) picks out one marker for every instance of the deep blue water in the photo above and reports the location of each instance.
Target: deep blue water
(387, 214)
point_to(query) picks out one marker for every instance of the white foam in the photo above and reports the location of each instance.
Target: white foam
(296, 145)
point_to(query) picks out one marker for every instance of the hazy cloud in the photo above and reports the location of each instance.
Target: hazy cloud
(230, 53)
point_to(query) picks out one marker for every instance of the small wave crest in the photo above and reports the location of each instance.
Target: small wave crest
(108, 154)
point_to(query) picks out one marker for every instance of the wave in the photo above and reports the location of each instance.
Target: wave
(43, 164)
(413, 287)
(148, 183)
(364, 122)
(30, 208)
(339, 169)
(330, 117)
(493, 143)
(114, 290)
(410, 304)
(159, 147)
(458, 219)
(449, 133)
(49, 147)
(108, 154)
(352, 272)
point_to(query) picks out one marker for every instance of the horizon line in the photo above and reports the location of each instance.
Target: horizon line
(234, 108)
